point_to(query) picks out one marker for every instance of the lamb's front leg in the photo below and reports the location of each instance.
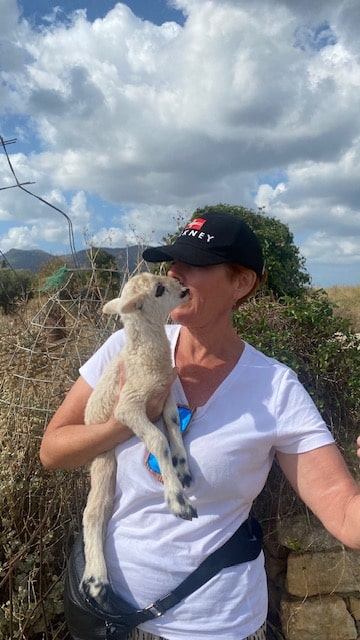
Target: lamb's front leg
(136, 419)
(95, 518)
(178, 451)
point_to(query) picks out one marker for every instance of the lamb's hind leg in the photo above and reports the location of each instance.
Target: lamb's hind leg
(178, 451)
(95, 518)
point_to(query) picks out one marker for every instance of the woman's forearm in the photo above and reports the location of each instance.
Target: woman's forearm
(68, 443)
(73, 445)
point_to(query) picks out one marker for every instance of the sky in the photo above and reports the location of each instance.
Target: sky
(128, 116)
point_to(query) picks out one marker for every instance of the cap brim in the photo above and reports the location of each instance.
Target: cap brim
(182, 253)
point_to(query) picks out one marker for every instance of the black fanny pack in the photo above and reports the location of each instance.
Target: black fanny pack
(86, 620)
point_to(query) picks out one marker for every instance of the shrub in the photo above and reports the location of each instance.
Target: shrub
(305, 334)
(14, 286)
(320, 347)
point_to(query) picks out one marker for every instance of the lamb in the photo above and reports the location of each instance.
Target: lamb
(144, 306)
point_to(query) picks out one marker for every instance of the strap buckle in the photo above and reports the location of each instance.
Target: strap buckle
(154, 609)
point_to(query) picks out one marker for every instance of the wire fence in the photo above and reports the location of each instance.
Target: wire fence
(42, 344)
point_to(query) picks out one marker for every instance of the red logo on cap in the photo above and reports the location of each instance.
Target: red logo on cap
(196, 224)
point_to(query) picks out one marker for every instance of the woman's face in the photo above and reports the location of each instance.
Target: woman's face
(213, 293)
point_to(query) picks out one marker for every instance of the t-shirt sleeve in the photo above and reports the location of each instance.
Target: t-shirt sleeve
(93, 368)
(300, 427)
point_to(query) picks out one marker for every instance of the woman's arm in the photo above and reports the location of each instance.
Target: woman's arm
(67, 443)
(323, 481)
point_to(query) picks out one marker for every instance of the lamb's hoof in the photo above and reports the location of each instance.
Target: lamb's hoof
(183, 508)
(96, 591)
(101, 595)
(189, 514)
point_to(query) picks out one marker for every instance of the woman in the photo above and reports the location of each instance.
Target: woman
(246, 409)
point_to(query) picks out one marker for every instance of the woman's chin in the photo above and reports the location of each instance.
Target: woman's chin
(178, 316)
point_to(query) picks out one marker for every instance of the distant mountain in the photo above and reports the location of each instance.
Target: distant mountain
(33, 259)
(30, 260)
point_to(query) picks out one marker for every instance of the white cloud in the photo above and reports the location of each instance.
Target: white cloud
(23, 237)
(142, 226)
(160, 119)
(268, 194)
(322, 247)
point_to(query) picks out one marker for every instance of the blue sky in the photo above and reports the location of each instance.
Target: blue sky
(129, 116)
(158, 11)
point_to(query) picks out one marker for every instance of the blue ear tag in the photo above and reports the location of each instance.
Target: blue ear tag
(185, 415)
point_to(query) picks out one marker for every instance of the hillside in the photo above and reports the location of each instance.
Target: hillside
(33, 259)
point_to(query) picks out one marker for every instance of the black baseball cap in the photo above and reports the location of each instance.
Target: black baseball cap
(214, 237)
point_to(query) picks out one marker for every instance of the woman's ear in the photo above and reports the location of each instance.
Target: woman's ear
(246, 281)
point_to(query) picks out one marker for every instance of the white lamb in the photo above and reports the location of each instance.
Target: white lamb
(144, 306)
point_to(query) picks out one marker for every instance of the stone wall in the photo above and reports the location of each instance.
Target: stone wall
(314, 582)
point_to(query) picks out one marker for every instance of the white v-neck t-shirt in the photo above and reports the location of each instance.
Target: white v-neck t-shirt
(259, 408)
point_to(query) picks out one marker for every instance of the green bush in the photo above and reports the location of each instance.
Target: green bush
(305, 334)
(14, 286)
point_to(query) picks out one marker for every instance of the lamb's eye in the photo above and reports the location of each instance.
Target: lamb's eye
(159, 290)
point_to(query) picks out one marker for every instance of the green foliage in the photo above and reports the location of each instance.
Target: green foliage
(305, 334)
(14, 286)
(284, 264)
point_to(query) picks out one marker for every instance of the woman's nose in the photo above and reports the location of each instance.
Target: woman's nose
(174, 270)
(179, 270)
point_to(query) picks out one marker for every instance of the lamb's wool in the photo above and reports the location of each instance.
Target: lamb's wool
(144, 305)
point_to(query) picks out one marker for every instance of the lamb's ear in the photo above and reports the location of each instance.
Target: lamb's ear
(134, 304)
(112, 307)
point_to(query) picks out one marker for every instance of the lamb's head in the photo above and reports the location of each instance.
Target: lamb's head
(150, 295)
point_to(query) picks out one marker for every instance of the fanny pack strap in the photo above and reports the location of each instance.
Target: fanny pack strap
(244, 545)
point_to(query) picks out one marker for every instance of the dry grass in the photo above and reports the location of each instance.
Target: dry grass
(347, 300)
(42, 346)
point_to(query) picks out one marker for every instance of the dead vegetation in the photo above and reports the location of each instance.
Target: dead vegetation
(42, 346)
(347, 301)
